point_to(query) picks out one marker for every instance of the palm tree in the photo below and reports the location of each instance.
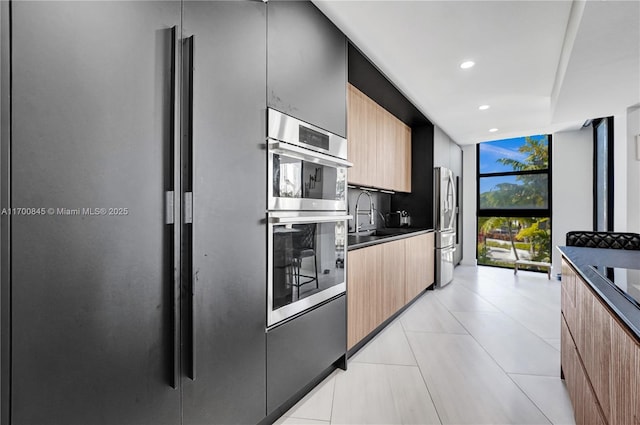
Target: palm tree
(537, 151)
(497, 222)
(538, 235)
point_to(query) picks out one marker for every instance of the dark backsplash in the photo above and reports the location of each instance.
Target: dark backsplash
(381, 202)
(419, 203)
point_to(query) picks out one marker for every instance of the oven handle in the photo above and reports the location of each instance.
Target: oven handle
(309, 219)
(307, 155)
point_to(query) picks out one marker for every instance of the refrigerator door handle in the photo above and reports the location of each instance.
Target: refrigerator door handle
(449, 249)
(451, 201)
(189, 278)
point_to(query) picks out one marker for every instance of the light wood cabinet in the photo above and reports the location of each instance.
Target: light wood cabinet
(364, 299)
(379, 145)
(402, 159)
(568, 295)
(600, 357)
(419, 263)
(593, 339)
(378, 278)
(386, 154)
(585, 404)
(361, 136)
(393, 276)
(625, 377)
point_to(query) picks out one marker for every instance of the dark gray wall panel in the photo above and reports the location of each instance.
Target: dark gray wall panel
(367, 78)
(307, 65)
(91, 299)
(301, 349)
(229, 234)
(5, 176)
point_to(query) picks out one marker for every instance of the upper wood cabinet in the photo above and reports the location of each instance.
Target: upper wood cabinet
(361, 135)
(386, 153)
(379, 145)
(402, 168)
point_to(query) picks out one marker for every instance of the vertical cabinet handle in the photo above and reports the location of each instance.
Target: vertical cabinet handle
(187, 200)
(170, 230)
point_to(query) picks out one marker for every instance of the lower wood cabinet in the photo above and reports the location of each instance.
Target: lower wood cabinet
(419, 262)
(381, 279)
(600, 357)
(393, 277)
(624, 378)
(585, 403)
(568, 295)
(364, 293)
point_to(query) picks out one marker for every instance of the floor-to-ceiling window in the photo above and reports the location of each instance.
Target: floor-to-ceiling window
(514, 200)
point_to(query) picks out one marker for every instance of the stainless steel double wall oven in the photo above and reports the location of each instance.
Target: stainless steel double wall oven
(307, 217)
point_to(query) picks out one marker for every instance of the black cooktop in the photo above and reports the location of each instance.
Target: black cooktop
(625, 280)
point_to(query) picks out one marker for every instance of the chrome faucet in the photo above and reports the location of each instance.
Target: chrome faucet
(370, 212)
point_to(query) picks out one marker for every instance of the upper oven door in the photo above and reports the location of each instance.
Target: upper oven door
(285, 128)
(300, 179)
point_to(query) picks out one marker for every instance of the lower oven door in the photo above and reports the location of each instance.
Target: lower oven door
(306, 261)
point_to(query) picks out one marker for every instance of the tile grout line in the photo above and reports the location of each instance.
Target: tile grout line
(489, 279)
(533, 402)
(422, 375)
(316, 388)
(333, 397)
(509, 316)
(496, 362)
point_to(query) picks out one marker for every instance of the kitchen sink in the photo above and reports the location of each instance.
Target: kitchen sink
(392, 231)
(357, 239)
(378, 234)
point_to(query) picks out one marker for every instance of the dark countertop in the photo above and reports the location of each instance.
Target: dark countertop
(387, 235)
(581, 258)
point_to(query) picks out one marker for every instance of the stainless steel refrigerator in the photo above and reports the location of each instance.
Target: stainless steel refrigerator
(444, 215)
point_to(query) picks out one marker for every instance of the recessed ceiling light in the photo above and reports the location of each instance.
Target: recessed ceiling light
(493, 130)
(484, 107)
(467, 64)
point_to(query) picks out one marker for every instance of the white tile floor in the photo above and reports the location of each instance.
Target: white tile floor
(482, 350)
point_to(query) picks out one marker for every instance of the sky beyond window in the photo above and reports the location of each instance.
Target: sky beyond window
(490, 152)
(489, 183)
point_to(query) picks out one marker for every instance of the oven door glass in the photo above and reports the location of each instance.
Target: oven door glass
(306, 265)
(304, 183)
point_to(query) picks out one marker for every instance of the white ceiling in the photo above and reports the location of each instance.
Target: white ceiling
(543, 66)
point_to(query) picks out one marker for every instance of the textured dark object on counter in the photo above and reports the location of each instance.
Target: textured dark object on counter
(392, 219)
(611, 240)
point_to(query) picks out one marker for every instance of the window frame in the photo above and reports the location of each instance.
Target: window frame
(608, 122)
(516, 212)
